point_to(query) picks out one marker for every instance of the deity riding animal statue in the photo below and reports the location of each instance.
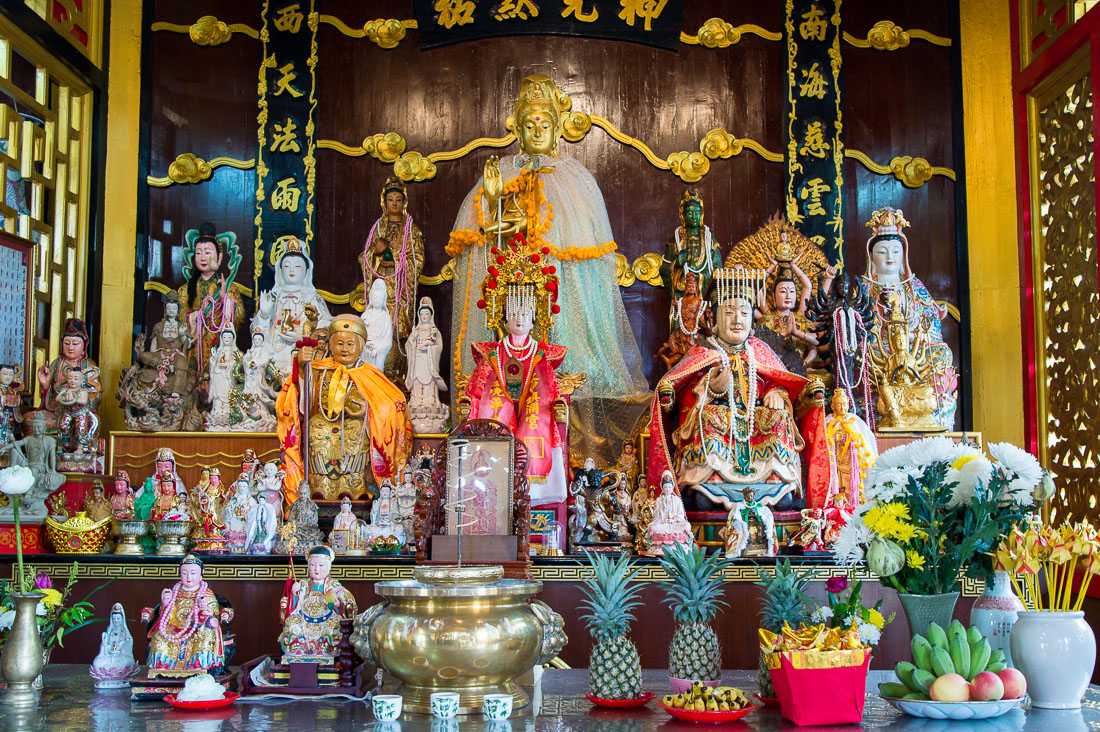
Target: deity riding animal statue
(557, 207)
(904, 377)
(423, 349)
(186, 637)
(729, 415)
(394, 254)
(311, 615)
(283, 313)
(210, 297)
(357, 422)
(898, 296)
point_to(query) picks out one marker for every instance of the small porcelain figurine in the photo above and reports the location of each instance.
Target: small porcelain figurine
(379, 324)
(811, 531)
(225, 360)
(852, 448)
(76, 419)
(405, 503)
(96, 505)
(303, 516)
(37, 451)
(383, 516)
(836, 518)
(263, 521)
(750, 528)
(167, 499)
(11, 405)
(234, 514)
(122, 497)
(311, 618)
(423, 348)
(166, 463)
(206, 505)
(185, 638)
(114, 665)
(343, 527)
(578, 509)
(670, 524)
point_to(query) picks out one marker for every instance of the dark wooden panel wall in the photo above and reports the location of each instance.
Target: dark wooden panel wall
(203, 100)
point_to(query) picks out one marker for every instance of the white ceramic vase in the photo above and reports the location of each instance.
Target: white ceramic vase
(995, 613)
(1056, 652)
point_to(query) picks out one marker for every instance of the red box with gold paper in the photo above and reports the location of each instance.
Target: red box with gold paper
(819, 674)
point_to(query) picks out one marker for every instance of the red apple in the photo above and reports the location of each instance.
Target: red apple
(987, 686)
(950, 688)
(1014, 682)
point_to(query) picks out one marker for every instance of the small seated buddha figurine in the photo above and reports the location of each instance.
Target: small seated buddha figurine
(122, 497)
(311, 616)
(185, 638)
(729, 416)
(514, 383)
(852, 448)
(906, 397)
(749, 529)
(669, 524)
(96, 505)
(207, 501)
(358, 420)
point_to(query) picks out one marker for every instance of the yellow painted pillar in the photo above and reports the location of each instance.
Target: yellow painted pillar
(995, 326)
(120, 207)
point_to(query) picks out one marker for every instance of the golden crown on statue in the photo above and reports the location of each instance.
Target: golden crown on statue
(519, 276)
(887, 221)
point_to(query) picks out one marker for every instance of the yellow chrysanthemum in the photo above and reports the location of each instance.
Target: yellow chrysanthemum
(52, 598)
(874, 617)
(913, 559)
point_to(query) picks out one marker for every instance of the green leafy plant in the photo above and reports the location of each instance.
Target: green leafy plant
(56, 618)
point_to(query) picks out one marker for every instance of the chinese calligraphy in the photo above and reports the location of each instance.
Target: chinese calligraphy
(815, 84)
(285, 138)
(813, 26)
(289, 19)
(813, 142)
(283, 84)
(576, 9)
(647, 10)
(511, 9)
(811, 193)
(285, 196)
(450, 13)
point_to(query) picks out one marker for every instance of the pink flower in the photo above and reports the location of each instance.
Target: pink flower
(836, 585)
(42, 582)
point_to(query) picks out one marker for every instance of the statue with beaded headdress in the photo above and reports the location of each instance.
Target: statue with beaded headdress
(554, 203)
(394, 253)
(729, 415)
(185, 630)
(354, 421)
(692, 250)
(210, 300)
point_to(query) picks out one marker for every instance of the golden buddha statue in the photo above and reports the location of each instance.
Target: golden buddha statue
(357, 424)
(903, 377)
(311, 617)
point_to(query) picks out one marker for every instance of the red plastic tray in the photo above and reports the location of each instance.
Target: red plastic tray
(707, 717)
(198, 706)
(645, 698)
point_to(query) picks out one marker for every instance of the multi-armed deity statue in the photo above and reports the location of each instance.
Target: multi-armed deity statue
(557, 207)
(730, 416)
(355, 421)
(914, 372)
(394, 254)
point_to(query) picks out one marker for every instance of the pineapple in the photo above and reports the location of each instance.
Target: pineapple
(614, 669)
(694, 595)
(785, 601)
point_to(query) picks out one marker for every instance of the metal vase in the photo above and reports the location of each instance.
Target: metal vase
(920, 610)
(22, 659)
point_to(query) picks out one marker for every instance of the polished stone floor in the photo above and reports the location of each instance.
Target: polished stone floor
(70, 704)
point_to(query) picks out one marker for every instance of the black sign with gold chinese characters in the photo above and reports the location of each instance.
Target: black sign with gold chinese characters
(652, 22)
(285, 163)
(815, 152)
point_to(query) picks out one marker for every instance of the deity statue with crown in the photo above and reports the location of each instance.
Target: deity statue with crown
(554, 203)
(292, 308)
(730, 416)
(514, 379)
(312, 613)
(903, 370)
(900, 301)
(210, 299)
(692, 250)
(394, 253)
(185, 629)
(357, 426)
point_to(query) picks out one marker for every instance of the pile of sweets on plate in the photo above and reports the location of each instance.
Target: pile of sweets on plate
(703, 698)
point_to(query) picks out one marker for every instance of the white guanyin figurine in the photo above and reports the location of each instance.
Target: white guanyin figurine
(423, 349)
(670, 524)
(344, 527)
(383, 515)
(235, 512)
(379, 324)
(263, 519)
(281, 311)
(223, 359)
(405, 502)
(255, 368)
(114, 664)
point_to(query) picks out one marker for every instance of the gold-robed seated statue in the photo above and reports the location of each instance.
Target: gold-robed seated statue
(311, 615)
(730, 416)
(904, 377)
(358, 423)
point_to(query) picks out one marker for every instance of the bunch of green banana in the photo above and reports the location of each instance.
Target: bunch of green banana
(954, 651)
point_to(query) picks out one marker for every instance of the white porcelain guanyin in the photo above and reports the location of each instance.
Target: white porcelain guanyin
(1056, 652)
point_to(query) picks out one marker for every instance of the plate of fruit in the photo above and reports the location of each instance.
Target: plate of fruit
(706, 704)
(640, 701)
(954, 674)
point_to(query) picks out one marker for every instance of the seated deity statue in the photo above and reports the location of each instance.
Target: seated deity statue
(185, 637)
(344, 528)
(96, 505)
(207, 501)
(55, 378)
(169, 505)
(210, 298)
(423, 349)
(37, 451)
(514, 382)
(394, 255)
(750, 528)
(262, 524)
(302, 515)
(906, 396)
(379, 324)
(899, 296)
(358, 421)
(113, 666)
(730, 416)
(282, 313)
(234, 514)
(311, 618)
(517, 195)
(122, 498)
(166, 463)
(669, 524)
(852, 448)
(384, 521)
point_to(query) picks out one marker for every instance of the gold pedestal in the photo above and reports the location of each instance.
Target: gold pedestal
(128, 532)
(175, 535)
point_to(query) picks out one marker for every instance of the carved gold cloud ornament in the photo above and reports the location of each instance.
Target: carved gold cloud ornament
(886, 35)
(912, 172)
(208, 30)
(189, 168)
(385, 33)
(717, 33)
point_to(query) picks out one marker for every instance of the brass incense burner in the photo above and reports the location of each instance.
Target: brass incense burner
(462, 629)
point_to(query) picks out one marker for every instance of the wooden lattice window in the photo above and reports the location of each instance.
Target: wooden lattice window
(45, 148)
(1067, 292)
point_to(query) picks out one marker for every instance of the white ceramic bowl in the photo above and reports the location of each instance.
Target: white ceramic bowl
(954, 710)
